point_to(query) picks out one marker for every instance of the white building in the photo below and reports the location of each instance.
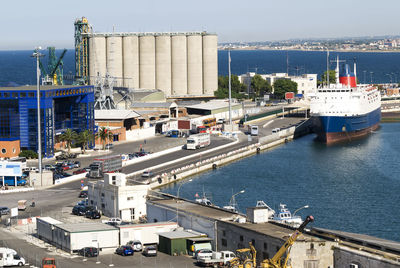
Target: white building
(306, 83)
(116, 199)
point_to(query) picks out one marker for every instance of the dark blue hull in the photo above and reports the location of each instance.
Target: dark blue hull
(331, 129)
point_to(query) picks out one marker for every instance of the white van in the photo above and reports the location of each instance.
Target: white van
(9, 257)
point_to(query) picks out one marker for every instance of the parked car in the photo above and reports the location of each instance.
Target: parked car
(89, 252)
(124, 250)
(135, 244)
(84, 202)
(113, 221)
(109, 146)
(83, 194)
(150, 251)
(203, 254)
(93, 214)
(74, 164)
(147, 173)
(76, 210)
(49, 167)
(79, 171)
(4, 210)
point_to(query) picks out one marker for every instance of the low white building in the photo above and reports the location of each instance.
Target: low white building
(114, 198)
(306, 83)
(147, 233)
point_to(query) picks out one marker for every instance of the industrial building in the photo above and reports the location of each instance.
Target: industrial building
(147, 233)
(180, 64)
(72, 237)
(114, 198)
(62, 107)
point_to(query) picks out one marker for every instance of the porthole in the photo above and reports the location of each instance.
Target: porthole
(3, 151)
(14, 150)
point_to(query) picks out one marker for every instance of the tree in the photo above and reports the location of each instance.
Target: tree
(85, 137)
(68, 136)
(281, 86)
(29, 154)
(260, 85)
(104, 134)
(332, 78)
(223, 87)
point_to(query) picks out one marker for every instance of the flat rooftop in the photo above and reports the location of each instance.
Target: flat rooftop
(214, 105)
(213, 213)
(180, 234)
(42, 88)
(86, 227)
(49, 220)
(114, 114)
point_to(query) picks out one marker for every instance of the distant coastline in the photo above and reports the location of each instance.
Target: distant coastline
(314, 50)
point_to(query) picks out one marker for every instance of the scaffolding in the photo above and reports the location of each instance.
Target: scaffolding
(82, 29)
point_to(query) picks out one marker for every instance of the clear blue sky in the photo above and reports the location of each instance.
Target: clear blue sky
(27, 23)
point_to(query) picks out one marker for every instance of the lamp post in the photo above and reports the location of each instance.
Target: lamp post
(232, 202)
(37, 55)
(177, 200)
(306, 206)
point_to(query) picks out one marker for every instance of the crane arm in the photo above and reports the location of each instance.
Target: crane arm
(58, 62)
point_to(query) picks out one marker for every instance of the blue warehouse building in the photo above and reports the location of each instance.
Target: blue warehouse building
(62, 107)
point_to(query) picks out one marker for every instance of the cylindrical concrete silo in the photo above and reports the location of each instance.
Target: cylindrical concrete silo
(97, 57)
(179, 65)
(147, 63)
(210, 64)
(130, 45)
(195, 65)
(114, 58)
(163, 63)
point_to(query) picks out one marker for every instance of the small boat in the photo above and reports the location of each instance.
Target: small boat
(286, 217)
(203, 200)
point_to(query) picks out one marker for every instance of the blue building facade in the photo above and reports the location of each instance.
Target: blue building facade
(62, 107)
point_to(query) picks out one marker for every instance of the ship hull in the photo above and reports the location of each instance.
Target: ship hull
(336, 129)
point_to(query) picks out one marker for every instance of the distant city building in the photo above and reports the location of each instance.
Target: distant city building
(306, 83)
(116, 199)
(62, 107)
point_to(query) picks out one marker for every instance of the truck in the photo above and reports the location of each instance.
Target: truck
(218, 259)
(9, 257)
(49, 263)
(106, 164)
(253, 130)
(198, 141)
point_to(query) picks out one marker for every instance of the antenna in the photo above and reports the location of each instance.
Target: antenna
(287, 63)
(327, 68)
(355, 69)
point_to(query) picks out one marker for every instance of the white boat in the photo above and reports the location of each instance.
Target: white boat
(286, 217)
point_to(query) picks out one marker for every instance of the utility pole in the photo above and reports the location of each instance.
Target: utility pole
(230, 94)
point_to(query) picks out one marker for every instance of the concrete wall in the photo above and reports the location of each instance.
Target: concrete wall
(139, 134)
(344, 256)
(232, 236)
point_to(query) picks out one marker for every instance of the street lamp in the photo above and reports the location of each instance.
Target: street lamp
(37, 55)
(232, 201)
(306, 206)
(371, 73)
(177, 199)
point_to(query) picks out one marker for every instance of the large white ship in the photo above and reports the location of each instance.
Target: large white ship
(345, 110)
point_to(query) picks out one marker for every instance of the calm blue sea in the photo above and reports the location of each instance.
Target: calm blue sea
(18, 67)
(353, 187)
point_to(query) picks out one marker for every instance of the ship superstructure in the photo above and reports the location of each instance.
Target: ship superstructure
(345, 110)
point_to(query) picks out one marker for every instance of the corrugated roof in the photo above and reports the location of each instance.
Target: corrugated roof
(153, 104)
(85, 227)
(180, 234)
(149, 224)
(114, 114)
(49, 220)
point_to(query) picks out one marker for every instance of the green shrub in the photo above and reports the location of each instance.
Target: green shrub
(29, 154)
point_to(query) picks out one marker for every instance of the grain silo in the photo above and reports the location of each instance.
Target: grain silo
(163, 63)
(179, 65)
(130, 46)
(194, 65)
(147, 62)
(97, 57)
(114, 58)
(210, 64)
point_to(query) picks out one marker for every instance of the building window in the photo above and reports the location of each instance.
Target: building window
(102, 194)
(223, 233)
(22, 95)
(103, 206)
(354, 265)
(253, 241)
(265, 255)
(6, 95)
(241, 238)
(14, 95)
(265, 246)
(31, 95)
(3, 151)
(129, 198)
(224, 242)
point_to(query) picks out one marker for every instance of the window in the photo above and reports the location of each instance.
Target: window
(265, 255)
(22, 95)
(253, 241)
(223, 233)
(241, 238)
(265, 246)
(224, 242)
(354, 265)
(14, 95)
(6, 95)
(3, 151)
(129, 198)
(31, 95)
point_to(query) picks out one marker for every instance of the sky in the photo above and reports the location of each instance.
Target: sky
(26, 24)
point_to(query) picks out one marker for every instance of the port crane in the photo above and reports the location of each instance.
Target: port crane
(54, 73)
(278, 261)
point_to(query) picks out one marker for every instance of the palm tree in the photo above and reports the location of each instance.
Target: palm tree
(104, 134)
(68, 136)
(85, 137)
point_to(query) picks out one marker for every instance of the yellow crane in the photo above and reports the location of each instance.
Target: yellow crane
(278, 261)
(245, 258)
